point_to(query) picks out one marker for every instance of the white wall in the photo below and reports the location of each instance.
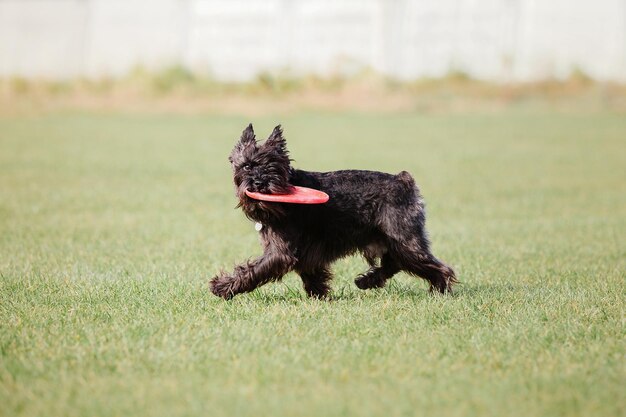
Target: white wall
(237, 39)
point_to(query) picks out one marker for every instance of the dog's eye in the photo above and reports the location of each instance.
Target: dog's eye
(246, 167)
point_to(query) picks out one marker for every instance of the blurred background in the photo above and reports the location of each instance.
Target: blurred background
(112, 53)
(235, 40)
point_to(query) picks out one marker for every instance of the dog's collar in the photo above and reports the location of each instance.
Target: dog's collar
(258, 226)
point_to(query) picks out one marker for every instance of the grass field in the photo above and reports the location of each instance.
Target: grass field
(111, 226)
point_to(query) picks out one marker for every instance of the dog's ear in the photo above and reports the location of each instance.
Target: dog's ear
(277, 141)
(247, 140)
(247, 136)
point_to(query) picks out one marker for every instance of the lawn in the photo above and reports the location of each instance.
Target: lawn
(111, 226)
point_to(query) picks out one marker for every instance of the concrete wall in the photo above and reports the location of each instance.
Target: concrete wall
(237, 39)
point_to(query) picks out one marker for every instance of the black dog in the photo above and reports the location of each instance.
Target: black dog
(380, 215)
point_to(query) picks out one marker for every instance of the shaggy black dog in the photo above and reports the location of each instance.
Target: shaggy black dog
(380, 215)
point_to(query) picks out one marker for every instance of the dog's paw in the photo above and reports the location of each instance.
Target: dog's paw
(443, 286)
(368, 281)
(222, 286)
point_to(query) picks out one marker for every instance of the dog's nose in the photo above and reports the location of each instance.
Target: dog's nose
(257, 183)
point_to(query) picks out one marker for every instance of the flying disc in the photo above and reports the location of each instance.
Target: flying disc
(298, 195)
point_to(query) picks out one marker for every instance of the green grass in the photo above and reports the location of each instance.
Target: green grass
(111, 226)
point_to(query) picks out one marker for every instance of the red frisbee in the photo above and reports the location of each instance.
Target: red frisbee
(298, 195)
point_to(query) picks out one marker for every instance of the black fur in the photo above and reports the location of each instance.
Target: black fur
(379, 215)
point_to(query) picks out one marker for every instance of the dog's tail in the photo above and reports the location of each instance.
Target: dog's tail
(410, 188)
(406, 178)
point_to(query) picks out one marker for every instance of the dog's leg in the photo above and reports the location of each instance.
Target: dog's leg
(378, 275)
(248, 276)
(440, 276)
(424, 264)
(316, 282)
